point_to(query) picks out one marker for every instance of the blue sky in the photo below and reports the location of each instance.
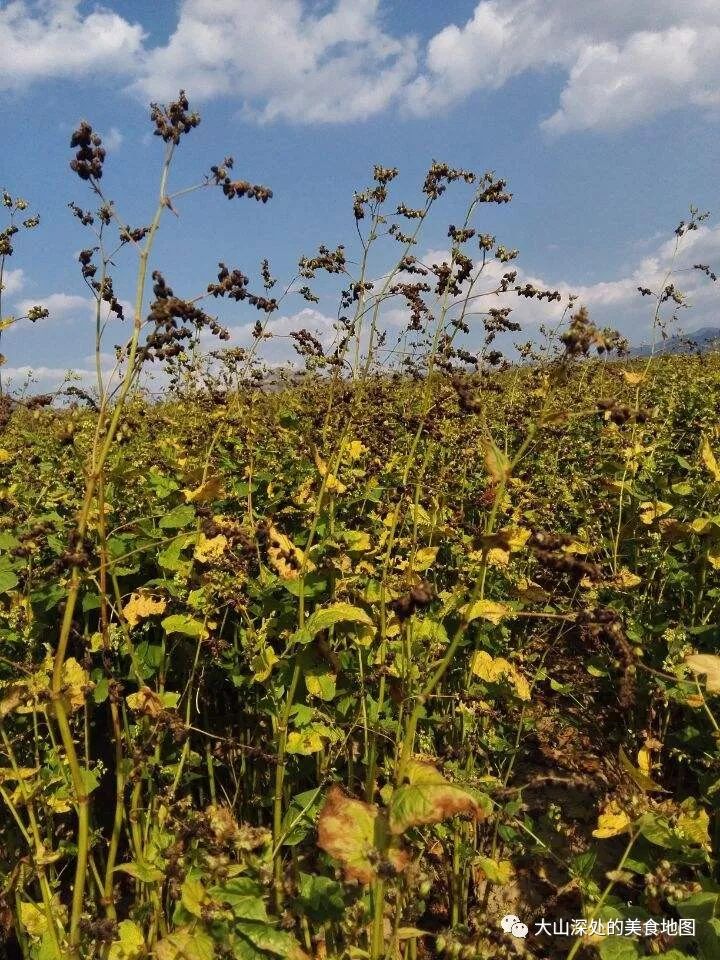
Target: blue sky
(603, 117)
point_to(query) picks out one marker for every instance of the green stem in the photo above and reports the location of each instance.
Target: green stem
(605, 894)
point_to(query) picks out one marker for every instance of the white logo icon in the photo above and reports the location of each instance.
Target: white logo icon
(511, 923)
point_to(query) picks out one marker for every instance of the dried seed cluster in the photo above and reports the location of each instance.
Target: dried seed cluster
(90, 156)
(233, 284)
(173, 121)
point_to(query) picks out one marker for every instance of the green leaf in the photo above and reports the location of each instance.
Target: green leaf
(8, 541)
(243, 897)
(682, 489)
(300, 816)
(8, 581)
(702, 908)
(618, 948)
(177, 518)
(148, 657)
(144, 872)
(101, 688)
(326, 617)
(194, 896)
(170, 558)
(315, 585)
(48, 950)
(657, 830)
(267, 938)
(320, 898)
(161, 485)
(183, 623)
(428, 797)
(320, 681)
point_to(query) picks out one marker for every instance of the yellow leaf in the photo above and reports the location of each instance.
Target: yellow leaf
(140, 606)
(355, 449)
(357, 541)
(304, 742)
(20, 773)
(496, 462)
(350, 831)
(713, 556)
(496, 871)
(493, 669)
(131, 945)
(485, 610)
(5, 456)
(576, 547)
(515, 537)
(644, 761)
(626, 579)
(611, 822)
(651, 510)
(33, 919)
(303, 495)
(632, 378)
(708, 458)
(497, 557)
(76, 682)
(522, 687)
(210, 490)
(707, 664)
(694, 823)
(702, 525)
(333, 485)
(424, 558)
(488, 668)
(285, 558)
(210, 549)
(694, 701)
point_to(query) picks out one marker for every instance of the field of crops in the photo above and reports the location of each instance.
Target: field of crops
(358, 665)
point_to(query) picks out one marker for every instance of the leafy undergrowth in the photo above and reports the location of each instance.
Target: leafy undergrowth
(367, 704)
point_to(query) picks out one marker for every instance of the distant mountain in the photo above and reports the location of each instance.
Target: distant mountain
(704, 340)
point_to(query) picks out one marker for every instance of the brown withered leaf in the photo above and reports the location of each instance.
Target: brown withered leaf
(356, 834)
(146, 702)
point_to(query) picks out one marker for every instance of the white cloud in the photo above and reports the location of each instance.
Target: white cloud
(62, 306)
(67, 307)
(615, 302)
(53, 39)
(112, 140)
(283, 60)
(619, 70)
(13, 281)
(309, 61)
